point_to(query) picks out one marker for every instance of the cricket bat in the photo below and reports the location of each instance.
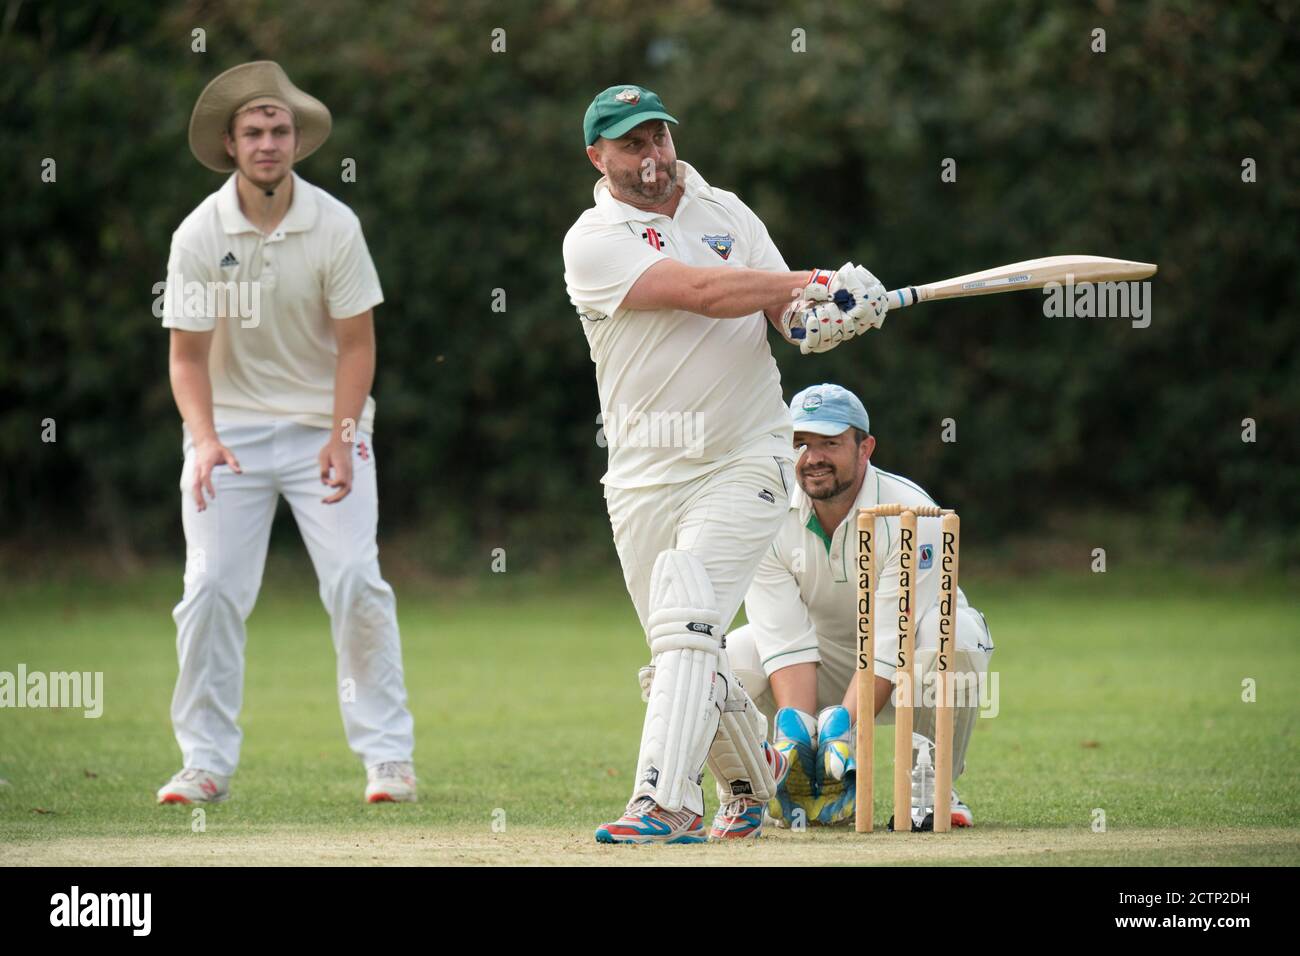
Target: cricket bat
(1030, 274)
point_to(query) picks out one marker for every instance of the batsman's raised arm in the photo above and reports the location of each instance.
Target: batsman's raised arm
(815, 310)
(717, 292)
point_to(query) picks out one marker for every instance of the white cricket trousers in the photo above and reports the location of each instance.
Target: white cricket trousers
(225, 555)
(727, 519)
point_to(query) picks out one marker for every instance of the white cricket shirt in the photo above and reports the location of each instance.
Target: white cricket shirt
(680, 393)
(806, 587)
(314, 268)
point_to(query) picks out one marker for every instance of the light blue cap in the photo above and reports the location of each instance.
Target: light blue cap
(828, 410)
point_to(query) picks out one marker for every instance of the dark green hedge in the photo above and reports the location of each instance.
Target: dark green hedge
(470, 169)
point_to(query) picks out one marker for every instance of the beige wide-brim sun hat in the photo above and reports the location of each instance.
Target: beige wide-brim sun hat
(239, 86)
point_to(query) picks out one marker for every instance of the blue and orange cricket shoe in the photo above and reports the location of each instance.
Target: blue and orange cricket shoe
(738, 819)
(644, 821)
(741, 818)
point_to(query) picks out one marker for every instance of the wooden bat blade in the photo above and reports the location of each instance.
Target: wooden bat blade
(1030, 274)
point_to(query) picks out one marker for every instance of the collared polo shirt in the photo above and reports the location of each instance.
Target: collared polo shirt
(805, 590)
(280, 362)
(680, 393)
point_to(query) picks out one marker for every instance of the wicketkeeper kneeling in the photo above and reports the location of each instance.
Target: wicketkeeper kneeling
(797, 657)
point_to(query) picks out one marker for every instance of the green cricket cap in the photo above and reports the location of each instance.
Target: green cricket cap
(616, 110)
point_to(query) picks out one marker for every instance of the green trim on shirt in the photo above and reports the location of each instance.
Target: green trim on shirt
(815, 527)
(907, 481)
(797, 650)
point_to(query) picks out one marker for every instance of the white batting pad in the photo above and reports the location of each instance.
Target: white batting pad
(736, 757)
(685, 699)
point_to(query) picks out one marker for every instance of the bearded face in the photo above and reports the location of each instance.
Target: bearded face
(641, 165)
(830, 465)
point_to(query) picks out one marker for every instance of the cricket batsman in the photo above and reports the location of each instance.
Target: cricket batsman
(675, 282)
(797, 656)
(272, 382)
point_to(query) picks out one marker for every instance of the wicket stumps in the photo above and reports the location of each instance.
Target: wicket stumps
(904, 680)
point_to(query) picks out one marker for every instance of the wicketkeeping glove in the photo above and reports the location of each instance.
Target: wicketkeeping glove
(795, 803)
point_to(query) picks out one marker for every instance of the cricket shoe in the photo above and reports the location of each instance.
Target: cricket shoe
(738, 819)
(796, 794)
(391, 782)
(644, 821)
(961, 815)
(923, 818)
(195, 786)
(741, 818)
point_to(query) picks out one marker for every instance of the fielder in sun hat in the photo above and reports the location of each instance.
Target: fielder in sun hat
(260, 83)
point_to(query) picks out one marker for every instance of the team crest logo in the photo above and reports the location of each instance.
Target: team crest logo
(927, 557)
(720, 244)
(812, 402)
(629, 96)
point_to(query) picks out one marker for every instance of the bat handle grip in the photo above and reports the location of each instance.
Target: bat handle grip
(902, 298)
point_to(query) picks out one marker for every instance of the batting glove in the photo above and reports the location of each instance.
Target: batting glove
(819, 327)
(857, 293)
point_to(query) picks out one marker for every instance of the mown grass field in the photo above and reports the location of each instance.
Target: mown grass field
(1119, 693)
